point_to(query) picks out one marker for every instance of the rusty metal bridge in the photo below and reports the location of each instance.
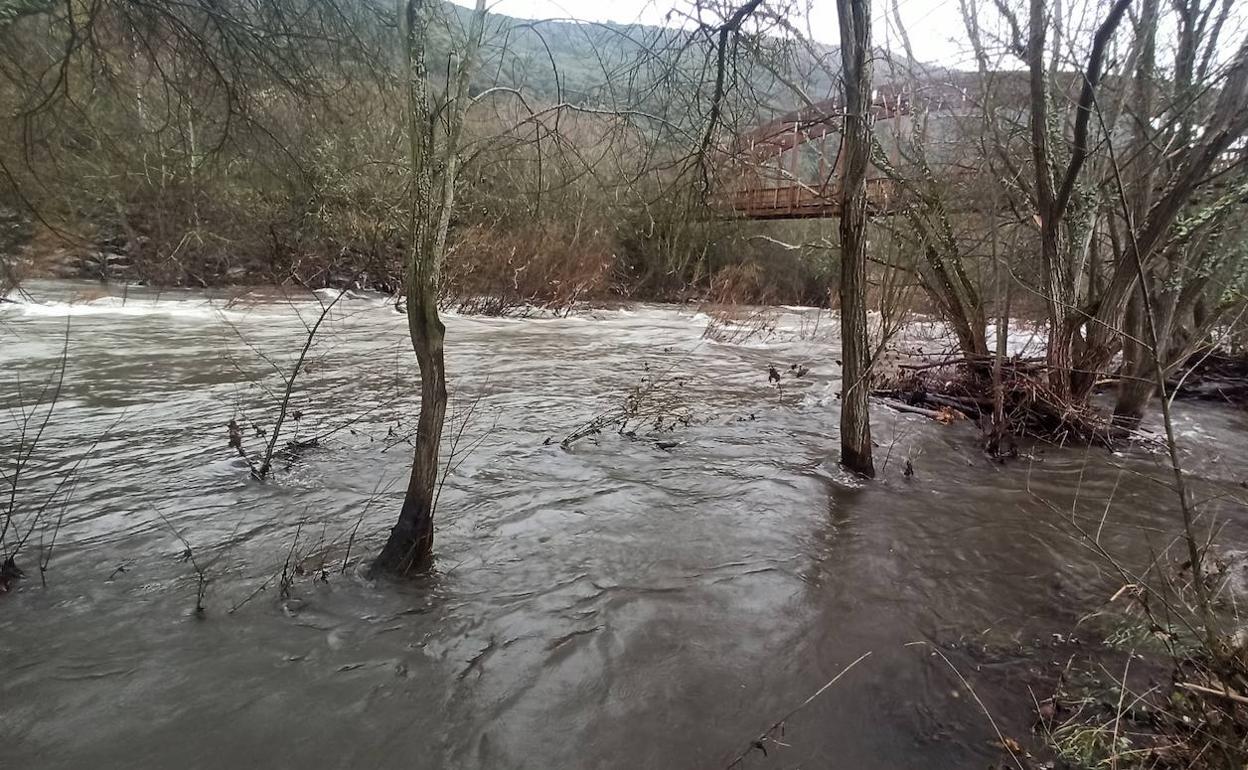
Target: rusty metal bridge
(790, 167)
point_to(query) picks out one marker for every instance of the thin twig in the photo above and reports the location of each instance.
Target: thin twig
(758, 744)
(1000, 736)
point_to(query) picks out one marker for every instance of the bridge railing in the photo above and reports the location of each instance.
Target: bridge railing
(798, 201)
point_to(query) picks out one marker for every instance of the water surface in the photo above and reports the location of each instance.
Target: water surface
(617, 605)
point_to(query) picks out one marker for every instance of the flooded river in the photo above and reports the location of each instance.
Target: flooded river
(618, 604)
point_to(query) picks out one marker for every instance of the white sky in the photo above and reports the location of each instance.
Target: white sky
(932, 24)
(937, 34)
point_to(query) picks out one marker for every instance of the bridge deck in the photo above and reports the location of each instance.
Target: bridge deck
(806, 202)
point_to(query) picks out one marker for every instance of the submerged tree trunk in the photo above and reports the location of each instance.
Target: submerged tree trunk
(433, 171)
(855, 22)
(410, 545)
(1136, 382)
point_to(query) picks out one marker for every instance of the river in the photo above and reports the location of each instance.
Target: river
(623, 603)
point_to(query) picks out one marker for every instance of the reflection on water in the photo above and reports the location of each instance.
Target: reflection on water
(618, 605)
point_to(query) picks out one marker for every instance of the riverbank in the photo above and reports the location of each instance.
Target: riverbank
(534, 262)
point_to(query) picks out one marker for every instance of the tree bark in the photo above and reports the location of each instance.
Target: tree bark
(1136, 384)
(1053, 194)
(1227, 125)
(855, 23)
(409, 548)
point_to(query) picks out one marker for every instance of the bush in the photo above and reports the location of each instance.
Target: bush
(495, 271)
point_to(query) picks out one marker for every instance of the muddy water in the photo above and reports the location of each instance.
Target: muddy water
(619, 605)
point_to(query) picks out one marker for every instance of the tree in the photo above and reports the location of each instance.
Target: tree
(1196, 162)
(1051, 152)
(1192, 283)
(432, 173)
(1055, 187)
(1197, 124)
(855, 23)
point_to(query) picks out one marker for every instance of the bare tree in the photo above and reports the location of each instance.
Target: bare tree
(433, 133)
(855, 23)
(1180, 144)
(1192, 278)
(1054, 186)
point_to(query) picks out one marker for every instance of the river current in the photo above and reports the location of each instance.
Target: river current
(631, 601)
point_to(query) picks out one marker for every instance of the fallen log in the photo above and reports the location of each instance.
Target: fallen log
(1030, 407)
(904, 407)
(967, 406)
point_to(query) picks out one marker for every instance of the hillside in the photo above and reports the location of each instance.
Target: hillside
(601, 63)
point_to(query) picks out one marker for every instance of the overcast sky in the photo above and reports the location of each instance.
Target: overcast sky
(935, 26)
(931, 23)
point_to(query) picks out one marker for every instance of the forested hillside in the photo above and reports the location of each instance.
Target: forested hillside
(591, 63)
(151, 153)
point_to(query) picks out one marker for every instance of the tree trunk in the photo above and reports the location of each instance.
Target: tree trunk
(1137, 383)
(958, 300)
(1135, 391)
(855, 22)
(1058, 352)
(409, 548)
(999, 429)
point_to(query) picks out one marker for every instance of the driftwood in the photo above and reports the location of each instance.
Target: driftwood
(964, 386)
(963, 361)
(1213, 377)
(968, 406)
(903, 407)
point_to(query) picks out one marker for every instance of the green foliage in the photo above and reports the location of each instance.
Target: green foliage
(1089, 746)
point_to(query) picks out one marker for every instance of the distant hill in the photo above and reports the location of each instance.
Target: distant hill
(604, 63)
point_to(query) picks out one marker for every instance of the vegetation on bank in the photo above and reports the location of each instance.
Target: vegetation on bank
(167, 151)
(1153, 689)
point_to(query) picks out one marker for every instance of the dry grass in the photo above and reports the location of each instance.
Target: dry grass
(1190, 713)
(736, 304)
(547, 264)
